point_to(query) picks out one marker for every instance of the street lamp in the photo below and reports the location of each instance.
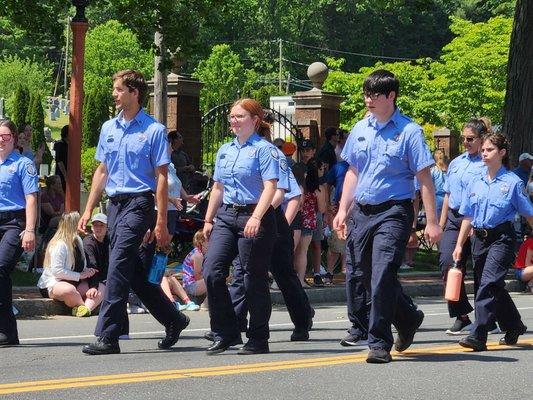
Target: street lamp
(79, 27)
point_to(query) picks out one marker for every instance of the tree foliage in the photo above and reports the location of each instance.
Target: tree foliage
(95, 113)
(36, 119)
(20, 105)
(109, 48)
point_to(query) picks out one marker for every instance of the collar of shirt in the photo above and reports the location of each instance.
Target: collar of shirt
(254, 137)
(395, 119)
(497, 177)
(139, 118)
(13, 156)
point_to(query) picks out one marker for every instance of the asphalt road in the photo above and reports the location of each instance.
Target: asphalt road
(49, 363)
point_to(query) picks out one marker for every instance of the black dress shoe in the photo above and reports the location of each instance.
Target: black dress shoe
(406, 336)
(173, 331)
(7, 341)
(511, 336)
(300, 335)
(378, 356)
(253, 348)
(471, 342)
(218, 346)
(102, 346)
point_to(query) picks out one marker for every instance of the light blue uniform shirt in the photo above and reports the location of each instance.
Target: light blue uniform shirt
(439, 180)
(491, 203)
(386, 158)
(174, 186)
(462, 171)
(294, 189)
(242, 169)
(283, 179)
(18, 178)
(132, 153)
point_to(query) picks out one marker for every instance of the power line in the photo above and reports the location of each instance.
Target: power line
(296, 62)
(349, 52)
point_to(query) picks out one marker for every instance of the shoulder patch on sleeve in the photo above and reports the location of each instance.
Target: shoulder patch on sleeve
(274, 153)
(283, 164)
(30, 168)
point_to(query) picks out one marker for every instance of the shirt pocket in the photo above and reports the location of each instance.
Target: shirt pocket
(361, 154)
(138, 153)
(393, 154)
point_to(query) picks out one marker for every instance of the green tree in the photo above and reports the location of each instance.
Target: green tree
(36, 120)
(20, 105)
(224, 76)
(95, 113)
(109, 48)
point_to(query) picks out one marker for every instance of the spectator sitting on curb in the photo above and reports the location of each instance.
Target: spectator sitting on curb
(96, 247)
(65, 267)
(524, 263)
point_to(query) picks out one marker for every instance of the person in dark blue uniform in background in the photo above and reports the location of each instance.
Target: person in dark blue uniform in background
(18, 215)
(489, 206)
(287, 198)
(134, 158)
(385, 152)
(462, 171)
(246, 175)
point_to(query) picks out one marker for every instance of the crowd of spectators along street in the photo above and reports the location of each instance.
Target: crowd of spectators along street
(358, 187)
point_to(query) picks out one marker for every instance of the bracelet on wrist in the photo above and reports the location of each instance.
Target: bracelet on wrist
(208, 222)
(29, 230)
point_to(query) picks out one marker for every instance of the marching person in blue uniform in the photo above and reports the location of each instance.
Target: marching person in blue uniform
(287, 198)
(462, 172)
(18, 215)
(134, 158)
(385, 152)
(240, 221)
(489, 206)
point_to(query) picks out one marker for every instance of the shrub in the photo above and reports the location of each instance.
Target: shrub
(88, 166)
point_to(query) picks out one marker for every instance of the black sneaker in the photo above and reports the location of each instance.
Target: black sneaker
(317, 280)
(511, 336)
(328, 279)
(300, 335)
(172, 332)
(102, 346)
(493, 329)
(460, 326)
(253, 348)
(353, 340)
(378, 356)
(209, 335)
(471, 342)
(405, 336)
(7, 341)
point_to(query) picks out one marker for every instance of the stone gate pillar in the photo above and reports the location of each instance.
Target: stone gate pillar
(315, 109)
(183, 112)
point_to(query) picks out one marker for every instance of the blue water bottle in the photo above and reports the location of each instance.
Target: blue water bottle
(157, 270)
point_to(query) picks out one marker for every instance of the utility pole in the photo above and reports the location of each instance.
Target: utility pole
(160, 81)
(280, 63)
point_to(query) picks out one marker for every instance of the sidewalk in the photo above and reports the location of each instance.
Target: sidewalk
(29, 302)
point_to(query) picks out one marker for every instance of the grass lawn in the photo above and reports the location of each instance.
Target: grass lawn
(426, 260)
(55, 126)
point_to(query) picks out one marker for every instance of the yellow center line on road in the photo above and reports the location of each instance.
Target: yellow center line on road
(148, 376)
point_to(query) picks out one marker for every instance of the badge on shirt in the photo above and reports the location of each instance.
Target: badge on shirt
(141, 137)
(110, 138)
(274, 153)
(397, 137)
(361, 139)
(251, 152)
(504, 188)
(32, 171)
(283, 165)
(12, 168)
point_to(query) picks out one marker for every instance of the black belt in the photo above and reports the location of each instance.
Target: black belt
(241, 207)
(487, 233)
(377, 208)
(456, 213)
(126, 196)
(8, 215)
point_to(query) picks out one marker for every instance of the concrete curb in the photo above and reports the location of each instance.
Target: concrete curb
(39, 307)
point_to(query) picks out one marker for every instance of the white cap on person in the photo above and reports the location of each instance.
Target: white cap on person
(100, 217)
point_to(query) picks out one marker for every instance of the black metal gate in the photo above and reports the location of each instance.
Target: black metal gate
(216, 131)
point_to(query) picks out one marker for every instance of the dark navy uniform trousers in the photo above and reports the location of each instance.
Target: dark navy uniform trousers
(377, 245)
(130, 216)
(227, 241)
(446, 248)
(492, 258)
(11, 225)
(282, 269)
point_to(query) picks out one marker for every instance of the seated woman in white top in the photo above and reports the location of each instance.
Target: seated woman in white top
(65, 267)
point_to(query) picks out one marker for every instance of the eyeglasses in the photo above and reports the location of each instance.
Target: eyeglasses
(468, 139)
(238, 117)
(6, 136)
(372, 96)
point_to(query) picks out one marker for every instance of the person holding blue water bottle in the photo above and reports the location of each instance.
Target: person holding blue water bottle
(133, 155)
(489, 206)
